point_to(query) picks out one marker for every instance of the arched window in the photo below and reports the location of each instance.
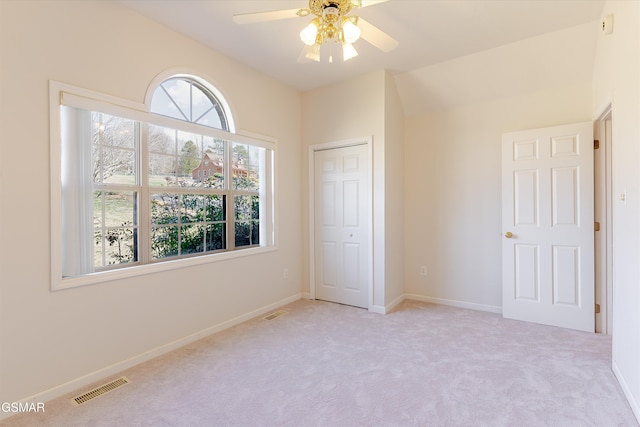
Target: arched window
(187, 98)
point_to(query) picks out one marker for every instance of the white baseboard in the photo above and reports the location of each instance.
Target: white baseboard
(635, 407)
(441, 301)
(394, 303)
(377, 309)
(116, 368)
(387, 308)
(306, 295)
(454, 303)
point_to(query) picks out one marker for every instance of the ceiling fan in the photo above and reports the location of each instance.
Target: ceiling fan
(332, 22)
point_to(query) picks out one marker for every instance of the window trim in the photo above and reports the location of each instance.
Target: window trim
(64, 94)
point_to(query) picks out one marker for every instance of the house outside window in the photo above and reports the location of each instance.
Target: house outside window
(134, 188)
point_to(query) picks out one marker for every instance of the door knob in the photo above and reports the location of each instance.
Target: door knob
(508, 235)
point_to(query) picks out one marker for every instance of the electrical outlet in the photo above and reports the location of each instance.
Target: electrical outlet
(285, 274)
(423, 270)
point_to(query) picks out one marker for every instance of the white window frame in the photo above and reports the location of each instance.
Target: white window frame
(64, 94)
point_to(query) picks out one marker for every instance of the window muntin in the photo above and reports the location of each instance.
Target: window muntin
(180, 159)
(183, 224)
(114, 161)
(115, 228)
(119, 179)
(247, 220)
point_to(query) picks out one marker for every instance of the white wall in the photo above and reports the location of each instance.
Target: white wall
(50, 338)
(616, 81)
(352, 109)
(452, 157)
(394, 193)
(453, 192)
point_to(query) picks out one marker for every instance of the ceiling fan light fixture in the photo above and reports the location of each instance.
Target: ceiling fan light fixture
(309, 33)
(331, 22)
(348, 51)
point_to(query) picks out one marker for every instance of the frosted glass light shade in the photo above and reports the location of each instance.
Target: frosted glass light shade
(309, 33)
(348, 51)
(314, 53)
(350, 31)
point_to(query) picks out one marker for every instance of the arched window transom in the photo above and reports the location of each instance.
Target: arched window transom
(185, 98)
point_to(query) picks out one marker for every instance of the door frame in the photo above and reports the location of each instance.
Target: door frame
(603, 201)
(368, 141)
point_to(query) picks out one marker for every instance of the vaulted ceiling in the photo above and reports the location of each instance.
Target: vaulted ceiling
(429, 32)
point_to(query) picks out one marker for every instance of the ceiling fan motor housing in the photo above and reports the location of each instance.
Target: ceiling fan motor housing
(332, 7)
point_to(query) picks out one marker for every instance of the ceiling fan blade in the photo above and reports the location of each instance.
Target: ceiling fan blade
(376, 36)
(366, 3)
(251, 18)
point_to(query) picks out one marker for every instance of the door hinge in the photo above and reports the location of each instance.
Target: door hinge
(596, 144)
(597, 308)
(596, 226)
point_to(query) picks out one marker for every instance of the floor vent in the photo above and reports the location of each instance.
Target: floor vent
(100, 390)
(275, 315)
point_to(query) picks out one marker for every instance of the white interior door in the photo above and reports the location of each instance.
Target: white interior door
(547, 220)
(341, 230)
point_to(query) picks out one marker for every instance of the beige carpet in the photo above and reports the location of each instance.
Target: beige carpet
(326, 364)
